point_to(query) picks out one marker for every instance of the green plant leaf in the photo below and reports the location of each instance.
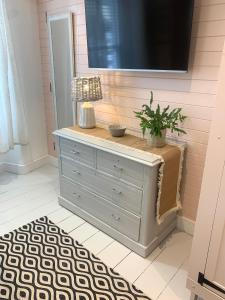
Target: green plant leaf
(160, 119)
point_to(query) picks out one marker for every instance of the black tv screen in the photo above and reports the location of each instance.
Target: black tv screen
(139, 34)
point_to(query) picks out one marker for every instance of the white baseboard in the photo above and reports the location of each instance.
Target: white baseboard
(22, 169)
(185, 224)
(53, 161)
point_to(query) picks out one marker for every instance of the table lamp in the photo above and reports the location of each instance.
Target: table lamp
(86, 90)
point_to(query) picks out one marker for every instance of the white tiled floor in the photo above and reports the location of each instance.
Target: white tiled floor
(161, 276)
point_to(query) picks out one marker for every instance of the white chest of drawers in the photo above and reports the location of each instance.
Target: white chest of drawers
(112, 186)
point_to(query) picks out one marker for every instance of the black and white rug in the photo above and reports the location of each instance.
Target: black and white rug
(41, 261)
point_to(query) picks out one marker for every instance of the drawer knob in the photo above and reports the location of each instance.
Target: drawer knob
(75, 152)
(76, 172)
(117, 192)
(116, 218)
(117, 168)
(75, 194)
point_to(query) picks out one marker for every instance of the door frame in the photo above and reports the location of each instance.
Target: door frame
(52, 17)
(209, 197)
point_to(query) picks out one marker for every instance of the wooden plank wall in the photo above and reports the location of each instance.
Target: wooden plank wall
(125, 92)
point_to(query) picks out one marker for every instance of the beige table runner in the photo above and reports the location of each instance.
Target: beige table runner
(170, 170)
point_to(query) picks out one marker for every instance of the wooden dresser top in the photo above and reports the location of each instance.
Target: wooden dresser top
(129, 146)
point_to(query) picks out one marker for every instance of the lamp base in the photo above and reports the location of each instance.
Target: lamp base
(87, 116)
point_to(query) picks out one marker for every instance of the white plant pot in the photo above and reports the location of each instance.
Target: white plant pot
(157, 141)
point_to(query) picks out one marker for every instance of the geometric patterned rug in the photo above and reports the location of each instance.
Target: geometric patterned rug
(41, 261)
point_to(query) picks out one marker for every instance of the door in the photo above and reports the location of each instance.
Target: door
(207, 263)
(62, 59)
(215, 266)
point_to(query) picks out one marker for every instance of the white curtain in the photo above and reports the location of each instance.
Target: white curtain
(13, 125)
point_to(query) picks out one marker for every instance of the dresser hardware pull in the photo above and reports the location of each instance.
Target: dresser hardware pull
(75, 152)
(76, 172)
(117, 192)
(115, 217)
(75, 194)
(118, 168)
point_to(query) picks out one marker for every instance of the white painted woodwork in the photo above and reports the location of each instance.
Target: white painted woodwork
(143, 157)
(112, 186)
(215, 266)
(208, 253)
(60, 27)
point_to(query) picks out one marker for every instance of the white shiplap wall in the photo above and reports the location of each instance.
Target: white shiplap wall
(125, 92)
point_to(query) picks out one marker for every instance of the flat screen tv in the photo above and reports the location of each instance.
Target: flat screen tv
(139, 34)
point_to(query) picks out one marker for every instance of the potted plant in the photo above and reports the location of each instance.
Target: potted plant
(157, 121)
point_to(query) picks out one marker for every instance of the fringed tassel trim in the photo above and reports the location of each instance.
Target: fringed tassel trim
(159, 218)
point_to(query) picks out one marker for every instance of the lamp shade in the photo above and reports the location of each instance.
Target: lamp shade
(86, 89)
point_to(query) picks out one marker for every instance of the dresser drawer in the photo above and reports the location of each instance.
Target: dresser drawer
(77, 152)
(123, 195)
(120, 167)
(117, 192)
(112, 215)
(78, 173)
